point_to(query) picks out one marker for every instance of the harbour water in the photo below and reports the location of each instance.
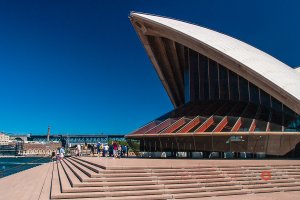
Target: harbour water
(12, 165)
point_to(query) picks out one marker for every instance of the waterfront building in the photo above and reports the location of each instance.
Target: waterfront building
(39, 148)
(4, 139)
(228, 96)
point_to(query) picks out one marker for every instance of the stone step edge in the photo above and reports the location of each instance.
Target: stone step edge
(87, 165)
(82, 168)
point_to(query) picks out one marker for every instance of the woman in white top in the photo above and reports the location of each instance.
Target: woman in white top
(79, 149)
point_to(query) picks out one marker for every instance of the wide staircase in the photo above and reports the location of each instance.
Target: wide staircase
(77, 178)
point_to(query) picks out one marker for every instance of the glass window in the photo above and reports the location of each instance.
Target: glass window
(186, 76)
(194, 75)
(223, 78)
(276, 105)
(291, 119)
(203, 77)
(213, 80)
(244, 93)
(233, 86)
(276, 114)
(264, 99)
(180, 54)
(254, 93)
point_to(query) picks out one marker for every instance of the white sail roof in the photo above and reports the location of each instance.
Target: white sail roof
(262, 63)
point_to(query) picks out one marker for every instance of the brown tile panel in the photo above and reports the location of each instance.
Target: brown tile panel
(175, 125)
(221, 125)
(194, 122)
(205, 125)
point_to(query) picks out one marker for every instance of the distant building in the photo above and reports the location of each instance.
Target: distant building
(4, 139)
(40, 149)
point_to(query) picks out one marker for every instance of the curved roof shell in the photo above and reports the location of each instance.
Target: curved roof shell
(260, 68)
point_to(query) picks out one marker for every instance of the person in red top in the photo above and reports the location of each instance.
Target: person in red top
(115, 146)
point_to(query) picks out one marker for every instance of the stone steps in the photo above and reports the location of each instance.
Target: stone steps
(81, 167)
(177, 175)
(76, 178)
(198, 195)
(94, 168)
(77, 172)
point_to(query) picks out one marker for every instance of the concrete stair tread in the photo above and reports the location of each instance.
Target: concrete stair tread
(46, 190)
(204, 189)
(78, 173)
(267, 182)
(147, 197)
(233, 192)
(156, 170)
(191, 180)
(74, 180)
(112, 184)
(55, 189)
(64, 181)
(181, 173)
(272, 185)
(150, 173)
(113, 189)
(175, 177)
(209, 194)
(259, 174)
(94, 168)
(195, 170)
(259, 171)
(201, 167)
(278, 189)
(120, 179)
(82, 168)
(245, 178)
(140, 193)
(92, 163)
(218, 184)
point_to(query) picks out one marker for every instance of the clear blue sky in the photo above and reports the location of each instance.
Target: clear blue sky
(80, 67)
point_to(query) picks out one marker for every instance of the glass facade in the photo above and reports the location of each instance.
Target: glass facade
(207, 80)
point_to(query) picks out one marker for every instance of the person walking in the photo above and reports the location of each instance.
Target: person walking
(124, 150)
(57, 154)
(105, 150)
(119, 151)
(61, 153)
(53, 155)
(92, 149)
(110, 150)
(98, 148)
(115, 149)
(78, 150)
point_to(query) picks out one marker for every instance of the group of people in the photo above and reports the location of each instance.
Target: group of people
(114, 149)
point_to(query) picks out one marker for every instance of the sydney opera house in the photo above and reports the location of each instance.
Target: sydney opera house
(228, 96)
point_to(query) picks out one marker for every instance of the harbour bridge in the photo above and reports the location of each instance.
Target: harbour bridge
(77, 139)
